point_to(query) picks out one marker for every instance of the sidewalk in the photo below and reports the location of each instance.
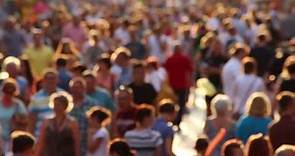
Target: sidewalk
(191, 126)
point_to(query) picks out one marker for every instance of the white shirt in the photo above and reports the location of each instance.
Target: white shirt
(155, 49)
(230, 71)
(102, 150)
(122, 35)
(244, 86)
(156, 78)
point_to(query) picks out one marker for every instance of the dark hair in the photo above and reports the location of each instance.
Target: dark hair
(249, 65)
(229, 146)
(166, 106)
(143, 112)
(22, 141)
(61, 62)
(258, 145)
(98, 113)
(89, 74)
(137, 64)
(291, 68)
(201, 144)
(285, 99)
(121, 148)
(105, 59)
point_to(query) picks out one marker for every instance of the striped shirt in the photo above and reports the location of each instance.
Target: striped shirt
(144, 142)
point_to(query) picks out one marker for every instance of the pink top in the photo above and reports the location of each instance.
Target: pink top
(76, 34)
(106, 81)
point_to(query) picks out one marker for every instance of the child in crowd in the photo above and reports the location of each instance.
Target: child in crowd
(163, 124)
(97, 133)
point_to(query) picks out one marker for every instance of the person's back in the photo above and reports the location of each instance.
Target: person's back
(179, 69)
(144, 141)
(282, 132)
(59, 140)
(251, 125)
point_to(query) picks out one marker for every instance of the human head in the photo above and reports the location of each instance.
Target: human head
(37, 36)
(22, 143)
(144, 116)
(90, 79)
(50, 80)
(98, 116)
(258, 145)
(286, 102)
(61, 102)
(152, 63)
(201, 145)
(285, 150)
(10, 87)
(168, 109)
(239, 50)
(288, 63)
(249, 65)
(77, 87)
(61, 62)
(104, 62)
(78, 69)
(124, 97)
(119, 147)
(232, 147)
(138, 72)
(121, 56)
(11, 65)
(221, 105)
(258, 105)
(10, 23)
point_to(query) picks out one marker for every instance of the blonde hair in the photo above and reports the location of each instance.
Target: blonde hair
(258, 104)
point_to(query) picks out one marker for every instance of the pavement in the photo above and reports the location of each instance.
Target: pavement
(191, 126)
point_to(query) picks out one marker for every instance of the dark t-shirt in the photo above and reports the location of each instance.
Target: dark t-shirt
(264, 57)
(125, 121)
(144, 93)
(215, 62)
(282, 132)
(288, 85)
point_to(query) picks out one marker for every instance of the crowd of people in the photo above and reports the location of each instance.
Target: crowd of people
(112, 77)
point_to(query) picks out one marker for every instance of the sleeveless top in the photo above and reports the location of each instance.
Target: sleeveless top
(59, 140)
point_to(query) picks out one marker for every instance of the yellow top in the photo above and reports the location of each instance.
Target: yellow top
(39, 59)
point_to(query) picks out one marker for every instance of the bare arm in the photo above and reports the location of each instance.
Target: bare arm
(76, 135)
(42, 139)
(32, 123)
(168, 146)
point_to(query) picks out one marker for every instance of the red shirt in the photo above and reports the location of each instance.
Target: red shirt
(179, 69)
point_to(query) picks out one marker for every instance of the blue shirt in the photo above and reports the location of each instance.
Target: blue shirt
(39, 106)
(103, 98)
(79, 113)
(249, 125)
(64, 77)
(165, 130)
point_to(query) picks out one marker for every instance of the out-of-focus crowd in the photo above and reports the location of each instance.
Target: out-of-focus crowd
(112, 77)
